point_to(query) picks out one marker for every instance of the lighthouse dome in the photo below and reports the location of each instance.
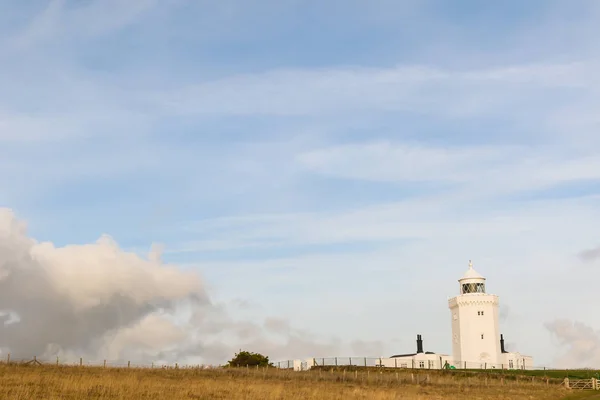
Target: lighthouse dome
(472, 281)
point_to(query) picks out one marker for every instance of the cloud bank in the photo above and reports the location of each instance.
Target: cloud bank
(98, 301)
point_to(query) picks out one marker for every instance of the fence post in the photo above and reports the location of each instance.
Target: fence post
(395, 363)
(8, 358)
(594, 384)
(336, 361)
(104, 363)
(128, 364)
(56, 360)
(566, 383)
(80, 361)
(365, 361)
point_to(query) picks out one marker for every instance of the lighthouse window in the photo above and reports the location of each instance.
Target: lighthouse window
(473, 288)
(479, 312)
(482, 335)
(421, 364)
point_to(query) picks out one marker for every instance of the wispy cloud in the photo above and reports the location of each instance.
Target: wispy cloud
(61, 20)
(421, 89)
(491, 170)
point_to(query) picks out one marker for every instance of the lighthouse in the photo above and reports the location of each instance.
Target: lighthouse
(476, 340)
(475, 330)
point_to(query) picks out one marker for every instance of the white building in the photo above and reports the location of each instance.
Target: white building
(419, 359)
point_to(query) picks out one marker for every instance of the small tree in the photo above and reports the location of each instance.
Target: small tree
(246, 358)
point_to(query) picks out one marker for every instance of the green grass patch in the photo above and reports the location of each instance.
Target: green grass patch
(511, 374)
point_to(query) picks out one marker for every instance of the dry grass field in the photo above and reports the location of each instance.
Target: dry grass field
(75, 383)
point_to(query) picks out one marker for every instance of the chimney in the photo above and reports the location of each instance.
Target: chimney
(502, 344)
(419, 344)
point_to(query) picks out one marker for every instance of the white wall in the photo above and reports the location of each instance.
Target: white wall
(468, 326)
(516, 360)
(421, 360)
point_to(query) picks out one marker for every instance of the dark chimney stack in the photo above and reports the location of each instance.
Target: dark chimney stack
(502, 344)
(419, 344)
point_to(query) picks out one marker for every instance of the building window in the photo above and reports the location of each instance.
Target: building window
(510, 364)
(421, 364)
(430, 364)
(403, 365)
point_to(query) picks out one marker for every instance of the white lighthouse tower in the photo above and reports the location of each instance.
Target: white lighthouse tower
(475, 331)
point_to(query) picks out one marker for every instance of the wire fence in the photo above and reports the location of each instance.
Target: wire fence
(81, 362)
(335, 363)
(432, 363)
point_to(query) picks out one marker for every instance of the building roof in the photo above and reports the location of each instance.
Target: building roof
(411, 354)
(471, 273)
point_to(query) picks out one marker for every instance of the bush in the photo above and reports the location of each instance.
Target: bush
(246, 358)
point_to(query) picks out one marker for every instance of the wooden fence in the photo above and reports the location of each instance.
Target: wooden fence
(582, 384)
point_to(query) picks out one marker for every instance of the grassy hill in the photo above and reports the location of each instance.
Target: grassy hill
(78, 383)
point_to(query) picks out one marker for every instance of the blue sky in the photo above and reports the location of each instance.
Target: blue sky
(335, 164)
